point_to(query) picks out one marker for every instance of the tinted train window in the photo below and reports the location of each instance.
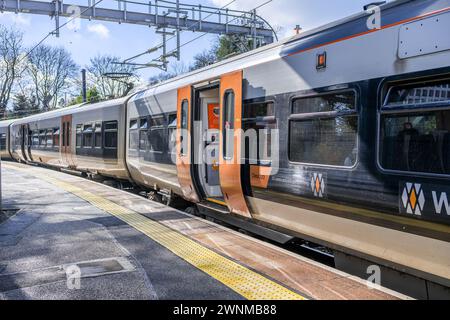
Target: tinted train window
(87, 136)
(110, 134)
(35, 139)
(98, 135)
(143, 134)
(259, 121)
(324, 130)
(412, 140)
(3, 141)
(424, 93)
(172, 129)
(228, 125)
(134, 135)
(156, 134)
(56, 137)
(42, 140)
(184, 126)
(79, 134)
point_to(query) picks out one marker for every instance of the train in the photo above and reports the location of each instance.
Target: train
(352, 124)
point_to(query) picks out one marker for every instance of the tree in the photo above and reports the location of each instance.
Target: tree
(92, 96)
(110, 88)
(23, 106)
(10, 51)
(205, 58)
(230, 45)
(50, 69)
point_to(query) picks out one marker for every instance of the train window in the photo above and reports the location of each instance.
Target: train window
(156, 134)
(79, 135)
(341, 102)
(253, 111)
(98, 135)
(228, 125)
(133, 124)
(143, 124)
(172, 129)
(134, 135)
(143, 140)
(64, 134)
(259, 118)
(414, 140)
(42, 140)
(110, 135)
(56, 137)
(3, 141)
(68, 135)
(184, 126)
(87, 136)
(35, 139)
(324, 131)
(418, 93)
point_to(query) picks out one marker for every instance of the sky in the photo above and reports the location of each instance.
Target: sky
(92, 38)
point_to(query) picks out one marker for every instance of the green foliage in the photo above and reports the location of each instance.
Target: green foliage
(92, 96)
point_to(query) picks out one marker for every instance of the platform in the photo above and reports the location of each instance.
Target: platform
(127, 247)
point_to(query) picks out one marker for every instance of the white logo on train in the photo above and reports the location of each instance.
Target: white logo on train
(413, 198)
(318, 185)
(441, 203)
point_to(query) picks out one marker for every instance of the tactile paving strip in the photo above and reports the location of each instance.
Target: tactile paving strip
(249, 284)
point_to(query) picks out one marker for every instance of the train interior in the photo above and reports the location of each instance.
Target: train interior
(207, 115)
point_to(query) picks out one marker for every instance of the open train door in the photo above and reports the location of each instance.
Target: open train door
(230, 143)
(65, 140)
(184, 146)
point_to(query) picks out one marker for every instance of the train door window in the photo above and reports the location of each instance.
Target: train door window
(49, 138)
(156, 134)
(184, 126)
(228, 125)
(134, 135)
(63, 134)
(87, 135)
(56, 137)
(110, 134)
(79, 136)
(143, 134)
(42, 140)
(68, 135)
(35, 139)
(98, 135)
(323, 130)
(172, 138)
(415, 128)
(259, 121)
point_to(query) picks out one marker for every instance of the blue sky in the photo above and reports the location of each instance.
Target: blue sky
(94, 37)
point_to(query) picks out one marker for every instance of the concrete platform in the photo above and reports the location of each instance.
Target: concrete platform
(127, 247)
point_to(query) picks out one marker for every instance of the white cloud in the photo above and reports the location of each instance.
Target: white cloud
(17, 19)
(99, 29)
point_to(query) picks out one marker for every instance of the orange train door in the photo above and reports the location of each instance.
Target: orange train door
(65, 140)
(230, 143)
(184, 140)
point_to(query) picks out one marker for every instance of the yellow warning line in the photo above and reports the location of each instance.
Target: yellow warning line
(249, 284)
